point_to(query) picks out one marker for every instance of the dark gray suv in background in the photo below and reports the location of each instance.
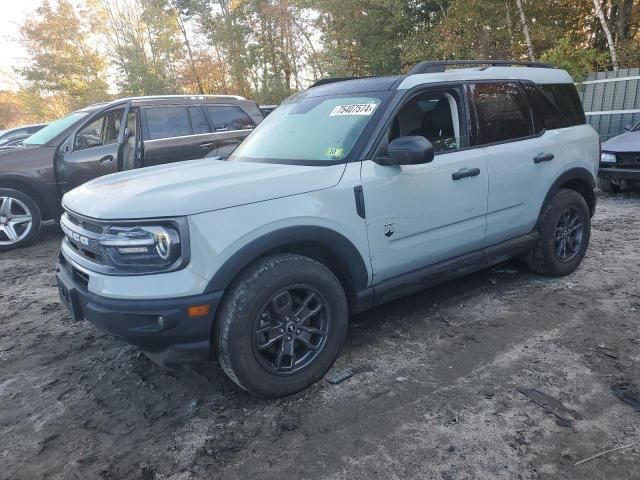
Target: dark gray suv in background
(107, 138)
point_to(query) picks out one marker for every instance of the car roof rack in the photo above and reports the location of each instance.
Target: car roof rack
(440, 66)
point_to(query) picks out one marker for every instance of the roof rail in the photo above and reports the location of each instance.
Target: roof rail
(441, 65)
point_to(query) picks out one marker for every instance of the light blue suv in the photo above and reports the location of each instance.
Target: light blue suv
(350, 194)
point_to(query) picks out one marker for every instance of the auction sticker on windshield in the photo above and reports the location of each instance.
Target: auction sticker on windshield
(353, 109)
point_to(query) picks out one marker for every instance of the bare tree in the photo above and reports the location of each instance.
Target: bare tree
(525, 30)
(603, 21)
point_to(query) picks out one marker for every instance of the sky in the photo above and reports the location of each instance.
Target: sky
(14, 12)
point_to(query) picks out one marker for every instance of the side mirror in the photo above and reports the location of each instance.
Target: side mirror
(410, 150)
(627, 128)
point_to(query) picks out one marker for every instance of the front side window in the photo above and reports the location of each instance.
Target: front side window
(434, 116)
(502, 112)
(317, 130)
(226, 118)
(168, 122)
(101, 131)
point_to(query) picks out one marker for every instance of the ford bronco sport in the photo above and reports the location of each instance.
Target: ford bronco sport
(352, 193)
(97, 141)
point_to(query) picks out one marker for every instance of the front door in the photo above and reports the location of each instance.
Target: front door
(419, 215)
(93, 151)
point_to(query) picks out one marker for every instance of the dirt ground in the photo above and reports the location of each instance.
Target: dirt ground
(434, 393)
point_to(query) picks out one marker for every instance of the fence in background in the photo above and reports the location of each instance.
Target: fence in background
(611, 100)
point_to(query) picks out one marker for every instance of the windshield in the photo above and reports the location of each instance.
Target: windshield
(54, 129)
(318, 130)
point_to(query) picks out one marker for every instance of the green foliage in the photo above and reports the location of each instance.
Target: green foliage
(268, 49)
(144, 44)
(578, 61)
(362, 37)
(63, 67)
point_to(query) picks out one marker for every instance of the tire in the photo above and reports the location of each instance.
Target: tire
(15, 230)
(607, 187)
(257, 310)
(547, 257)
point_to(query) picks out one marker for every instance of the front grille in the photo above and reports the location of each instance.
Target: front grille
(82, 237)
(85, 224)
(628, 160)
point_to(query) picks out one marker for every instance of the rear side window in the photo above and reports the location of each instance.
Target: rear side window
(546, 114)
(502, 111)
(225, 118)
(167, 122)
(565, 97)
(198, 120)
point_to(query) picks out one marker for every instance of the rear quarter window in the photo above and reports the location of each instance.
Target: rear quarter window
(566, 99)
(226, 118)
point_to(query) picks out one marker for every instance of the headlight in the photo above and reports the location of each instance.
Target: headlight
(606, 157)
(147, 247)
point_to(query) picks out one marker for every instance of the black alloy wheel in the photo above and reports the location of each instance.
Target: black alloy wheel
(568, 235)
(291, 329)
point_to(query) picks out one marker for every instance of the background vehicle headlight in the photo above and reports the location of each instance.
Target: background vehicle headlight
(142, 247)
(606, 157)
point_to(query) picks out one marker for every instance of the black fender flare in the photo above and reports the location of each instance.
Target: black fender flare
(340, 248)
(575, 176)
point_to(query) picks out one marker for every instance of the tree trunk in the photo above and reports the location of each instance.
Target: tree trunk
(187, 44)
(525, 30)
(603, 21)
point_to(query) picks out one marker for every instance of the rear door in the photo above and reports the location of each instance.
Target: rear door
(521, 157)
(93, 150)
(231, 125)
(175, 133)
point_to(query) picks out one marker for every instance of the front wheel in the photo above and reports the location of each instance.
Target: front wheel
(19, 219)
(281, 325)
(565, 229)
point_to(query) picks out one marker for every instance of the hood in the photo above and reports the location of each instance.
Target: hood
(196, 186)
(5, 149)
(627, 142)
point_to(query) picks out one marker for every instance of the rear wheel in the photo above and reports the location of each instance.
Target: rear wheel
(564, 230)
(19, 219)
(607, 187)
(281, 325)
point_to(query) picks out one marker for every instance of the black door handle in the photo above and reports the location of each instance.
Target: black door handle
(206, 145)
(106, 159)
(543, 157)
(465, 172)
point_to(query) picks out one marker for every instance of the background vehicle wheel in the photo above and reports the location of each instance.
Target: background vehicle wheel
(565, 230)
(281, 325)
(19, 219)
(608, 187)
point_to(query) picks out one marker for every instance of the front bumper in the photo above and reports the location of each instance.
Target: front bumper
(161, 328)
(620, 173)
